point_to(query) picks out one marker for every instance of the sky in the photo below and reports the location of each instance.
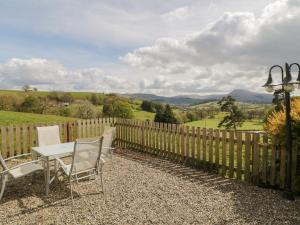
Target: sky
(174, 47)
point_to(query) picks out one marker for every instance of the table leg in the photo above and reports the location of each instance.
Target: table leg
(47, 175)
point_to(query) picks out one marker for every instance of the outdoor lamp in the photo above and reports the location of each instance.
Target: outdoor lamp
(268, 85)
(287, 86)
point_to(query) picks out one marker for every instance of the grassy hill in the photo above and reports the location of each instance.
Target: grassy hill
(17, 93)
(12, 118)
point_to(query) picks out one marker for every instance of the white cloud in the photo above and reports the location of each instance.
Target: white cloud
(234, 52)
(51, 75)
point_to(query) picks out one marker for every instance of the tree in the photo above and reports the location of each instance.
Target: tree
(166, 116)
(26, 87)
(118, 109)
(32, 104)
(86, 110)
(147, 106)
(67, 97)
(235, 116)
(95, 100)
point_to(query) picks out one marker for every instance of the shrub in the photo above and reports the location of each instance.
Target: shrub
(118, 109)
(275, 124)
(8, 103)
(165, 116)
(67, 97)
(32, 104)
(85, 111)
(64, 111)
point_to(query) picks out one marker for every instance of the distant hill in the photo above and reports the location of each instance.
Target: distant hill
(239, 94)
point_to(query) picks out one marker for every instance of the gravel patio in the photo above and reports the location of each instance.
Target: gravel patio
(142, 189)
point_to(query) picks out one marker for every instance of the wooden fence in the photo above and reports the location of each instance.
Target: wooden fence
(246, 156)
(19, 139)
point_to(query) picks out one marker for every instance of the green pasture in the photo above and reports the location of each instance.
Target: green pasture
(143, 115)
(16, 118)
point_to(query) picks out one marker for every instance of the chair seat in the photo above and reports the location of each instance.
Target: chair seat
(25, 170)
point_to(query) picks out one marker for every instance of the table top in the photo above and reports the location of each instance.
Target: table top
(54, 150)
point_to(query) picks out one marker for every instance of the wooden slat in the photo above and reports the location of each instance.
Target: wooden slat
(273, 166)
(256, 158)
(247, 157)
(294, 167)
(18, 140)
(31, 137)
(217, 149)
(265, 159)
(193, 145)
(11, 141)
(231, 154)
(187, 143)
(198, 145)
(239, 155)
(211, 145)
(24, 139)
(182, 142)
(204, 147)
(4, 142)
(282, 167)
(224, 152)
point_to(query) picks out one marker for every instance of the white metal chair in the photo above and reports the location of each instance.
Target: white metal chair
(48, 135)
(107, 149)
(18, 171)
(86, 162)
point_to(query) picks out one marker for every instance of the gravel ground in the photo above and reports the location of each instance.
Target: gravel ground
(141, 189)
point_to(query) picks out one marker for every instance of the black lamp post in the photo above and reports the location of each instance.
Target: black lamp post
(287, 86)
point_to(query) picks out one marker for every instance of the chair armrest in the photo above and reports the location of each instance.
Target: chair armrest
(109, 148)
(26, 163)
(61, 164)
(18, 156)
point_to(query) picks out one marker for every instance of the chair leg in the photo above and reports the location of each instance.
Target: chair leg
(3, 186)
(71, 188)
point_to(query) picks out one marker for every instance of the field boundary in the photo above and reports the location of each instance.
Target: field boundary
(241, 155)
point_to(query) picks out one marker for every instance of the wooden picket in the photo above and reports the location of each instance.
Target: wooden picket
(241, 155)
(247, 156)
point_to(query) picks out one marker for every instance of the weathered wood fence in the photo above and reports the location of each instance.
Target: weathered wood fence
(19, 139)
(246, 156)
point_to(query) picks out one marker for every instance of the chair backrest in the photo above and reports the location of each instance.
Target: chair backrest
(86, 156)
(108, 137)
(48, 135)
(2, 163)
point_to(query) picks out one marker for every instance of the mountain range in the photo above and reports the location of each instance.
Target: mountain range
(239, 94)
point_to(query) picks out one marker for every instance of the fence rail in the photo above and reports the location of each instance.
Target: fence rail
(19, 139)
(241, 155)
(247, 156)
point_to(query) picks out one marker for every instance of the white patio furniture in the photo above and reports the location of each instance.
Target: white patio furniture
(21, 170)
(48, 135)
(50, 152)
(108, 138)
(86, 162)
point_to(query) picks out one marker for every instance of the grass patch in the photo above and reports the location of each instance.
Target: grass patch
(143, 115)
(16, 118)
(213, 123)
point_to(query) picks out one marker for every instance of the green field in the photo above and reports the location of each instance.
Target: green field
(143, 115)
(20, 94)
(13, 118)
(213, 123)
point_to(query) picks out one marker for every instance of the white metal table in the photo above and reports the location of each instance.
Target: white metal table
(50, 152)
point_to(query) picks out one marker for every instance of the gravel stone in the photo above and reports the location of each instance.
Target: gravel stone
(142, 189)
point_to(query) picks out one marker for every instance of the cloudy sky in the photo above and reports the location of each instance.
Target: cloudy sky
(164, 47)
